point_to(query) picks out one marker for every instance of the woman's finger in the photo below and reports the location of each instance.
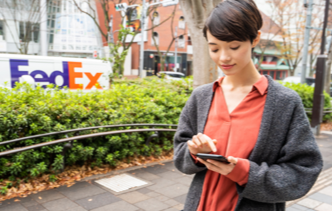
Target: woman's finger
(232, 160)
(212, 146)
(201, 138)
(192, 144)
(197, 142)
(208, 165)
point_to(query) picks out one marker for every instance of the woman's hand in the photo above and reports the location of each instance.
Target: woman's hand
(220, 167)
(201, 143)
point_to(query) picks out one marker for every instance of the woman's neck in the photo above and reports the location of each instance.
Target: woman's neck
(247, 77)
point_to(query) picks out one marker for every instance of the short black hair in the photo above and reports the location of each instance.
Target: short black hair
(234, 20)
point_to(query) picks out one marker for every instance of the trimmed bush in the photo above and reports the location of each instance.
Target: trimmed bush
(307, 95)
(25, 111)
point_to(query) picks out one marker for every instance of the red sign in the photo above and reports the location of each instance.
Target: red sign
(95, 54)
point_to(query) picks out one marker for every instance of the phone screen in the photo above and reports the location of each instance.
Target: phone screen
(219, 158)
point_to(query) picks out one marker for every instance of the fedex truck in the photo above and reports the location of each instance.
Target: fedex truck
(74, 73)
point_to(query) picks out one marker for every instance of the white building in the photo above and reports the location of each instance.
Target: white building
(70, 33)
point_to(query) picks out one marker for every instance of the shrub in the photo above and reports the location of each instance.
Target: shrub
(25, 111)
(307, 95)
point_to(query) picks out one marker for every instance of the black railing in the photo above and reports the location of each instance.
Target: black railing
(83, 129)
(79, 137)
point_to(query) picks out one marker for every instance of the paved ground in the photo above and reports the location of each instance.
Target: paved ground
(167, 192)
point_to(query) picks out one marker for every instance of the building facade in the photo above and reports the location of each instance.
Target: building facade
(70, 33)
(267, 56)
(164, 29)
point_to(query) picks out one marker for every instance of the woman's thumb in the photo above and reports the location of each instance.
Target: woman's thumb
(232, 159)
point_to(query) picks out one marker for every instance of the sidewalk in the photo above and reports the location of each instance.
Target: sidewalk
(167, 190)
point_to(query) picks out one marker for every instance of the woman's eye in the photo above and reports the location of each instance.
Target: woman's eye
(235, 48)
(214, 51)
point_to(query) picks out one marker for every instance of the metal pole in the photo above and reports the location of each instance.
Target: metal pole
(176, 48)
(306, 40)
(317, 110)
(110, 33)
(328, 65)
(142, 40)
(43, 28)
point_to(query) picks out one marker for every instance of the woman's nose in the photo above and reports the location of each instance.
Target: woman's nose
(224, 57)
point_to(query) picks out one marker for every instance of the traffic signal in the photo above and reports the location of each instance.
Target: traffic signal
(121, 7)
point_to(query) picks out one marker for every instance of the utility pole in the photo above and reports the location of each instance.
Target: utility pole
(317, 110)
(43, 28)
(110, 33)
(176, 48)
(328, 64)
(306, 39)
(142, 39)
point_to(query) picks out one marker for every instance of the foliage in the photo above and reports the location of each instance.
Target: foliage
(118, 54)
(25, 111)
(306, 93)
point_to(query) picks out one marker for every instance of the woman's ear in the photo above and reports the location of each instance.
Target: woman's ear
(257, 39)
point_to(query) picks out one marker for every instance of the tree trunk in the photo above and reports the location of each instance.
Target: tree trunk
(195, 13)
(162, 63)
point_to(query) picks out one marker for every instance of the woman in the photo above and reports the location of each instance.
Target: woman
(258, 124)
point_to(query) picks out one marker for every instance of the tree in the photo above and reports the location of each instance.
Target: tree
(22, 21)
(118, 54)
(291, 18)
(195, 13)
(119, 49)
(156, 44)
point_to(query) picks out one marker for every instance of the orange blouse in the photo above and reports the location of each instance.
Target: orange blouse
(236, 134)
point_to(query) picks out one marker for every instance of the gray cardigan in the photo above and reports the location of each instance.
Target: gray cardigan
(284, 163)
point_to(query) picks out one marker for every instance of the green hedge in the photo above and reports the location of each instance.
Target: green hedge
(307, 95)
(25, 111)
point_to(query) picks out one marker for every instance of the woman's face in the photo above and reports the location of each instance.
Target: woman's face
(232, 57)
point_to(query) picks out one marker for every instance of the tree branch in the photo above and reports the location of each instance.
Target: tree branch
(198, 10)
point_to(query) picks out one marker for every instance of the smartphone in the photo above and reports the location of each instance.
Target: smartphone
(219, 158)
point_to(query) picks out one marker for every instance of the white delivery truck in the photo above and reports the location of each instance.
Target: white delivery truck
(74, 73)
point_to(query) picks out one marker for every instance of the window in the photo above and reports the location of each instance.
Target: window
(51, 39)
(155, 38)
(272, 74)
(265, 72)
(283, 63)
(189, 40)
(29, 32)
(35, 32)
(278, 77)
(2, 30)
(181, 42)
(156, 18)
(182, 24)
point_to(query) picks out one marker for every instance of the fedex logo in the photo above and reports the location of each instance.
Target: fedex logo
(69, 75)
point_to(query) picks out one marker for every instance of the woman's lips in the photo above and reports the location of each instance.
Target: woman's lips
(227, 67)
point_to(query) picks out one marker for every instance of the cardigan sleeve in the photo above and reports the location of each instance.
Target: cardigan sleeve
(294, 172)
(183, 159)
